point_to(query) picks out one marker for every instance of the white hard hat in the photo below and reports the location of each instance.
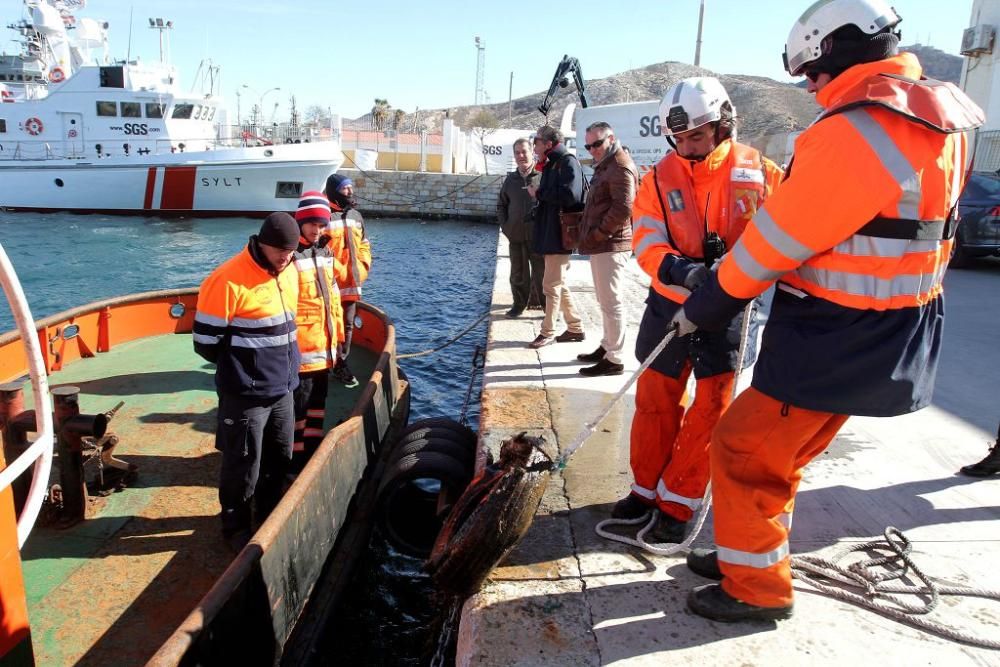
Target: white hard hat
(805, 40)
(693, 102)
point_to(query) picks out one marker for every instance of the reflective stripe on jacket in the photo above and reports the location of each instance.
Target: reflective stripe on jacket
(319, 318)
(856, 322)
(732, 180)
(350, 246)
(245, 324)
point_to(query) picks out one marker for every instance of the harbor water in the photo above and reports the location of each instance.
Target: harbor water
(433, 279)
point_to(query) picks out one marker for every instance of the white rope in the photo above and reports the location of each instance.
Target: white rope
(706, 501)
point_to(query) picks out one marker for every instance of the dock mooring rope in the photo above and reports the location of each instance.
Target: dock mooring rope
(448, 342)
(882, 598)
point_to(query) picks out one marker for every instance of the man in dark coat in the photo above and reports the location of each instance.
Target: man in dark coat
(560, 190)
(514, 207)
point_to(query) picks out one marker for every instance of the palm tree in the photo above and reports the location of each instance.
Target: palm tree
(380, 114)
(397, 118)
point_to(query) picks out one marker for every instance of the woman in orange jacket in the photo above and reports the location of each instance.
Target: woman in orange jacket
(350, 245)
(858, 239)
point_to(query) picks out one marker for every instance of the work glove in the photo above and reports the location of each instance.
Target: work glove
(696, 277)
(682, 324)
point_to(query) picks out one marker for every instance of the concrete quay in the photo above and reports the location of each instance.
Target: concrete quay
(566, 596)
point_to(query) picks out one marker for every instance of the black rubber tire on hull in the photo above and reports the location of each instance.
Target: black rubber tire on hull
(408, 498)
(461, 432)
(462, 453)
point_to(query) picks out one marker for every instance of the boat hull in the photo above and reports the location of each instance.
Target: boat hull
(248, 182)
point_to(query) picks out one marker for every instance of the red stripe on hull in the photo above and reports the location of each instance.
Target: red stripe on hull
(147, 202)
(178, 188)
(138, 211)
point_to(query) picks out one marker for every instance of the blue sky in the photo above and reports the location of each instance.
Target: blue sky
(343, 55)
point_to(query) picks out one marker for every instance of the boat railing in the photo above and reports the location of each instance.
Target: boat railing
(40, 450)
(43, 151)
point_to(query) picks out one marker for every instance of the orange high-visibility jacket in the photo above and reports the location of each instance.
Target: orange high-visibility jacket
(319, 317)
(350, 246)
(729, 184)
(245, 324)
(670, 226)
(859, 240)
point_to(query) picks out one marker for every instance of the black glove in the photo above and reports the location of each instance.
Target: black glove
(696, 277)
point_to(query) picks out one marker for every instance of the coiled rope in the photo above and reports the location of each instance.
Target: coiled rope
(448, 342)
(882, 598)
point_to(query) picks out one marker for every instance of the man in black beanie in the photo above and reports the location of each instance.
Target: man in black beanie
(245, 325)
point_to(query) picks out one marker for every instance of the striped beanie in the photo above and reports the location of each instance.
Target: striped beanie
(313, 207)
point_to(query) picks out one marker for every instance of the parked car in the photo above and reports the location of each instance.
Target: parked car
(979, 219)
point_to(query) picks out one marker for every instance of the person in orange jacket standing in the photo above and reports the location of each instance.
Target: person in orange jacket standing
(350, 245)
(319, 320)
(858, 239)
(694, 203)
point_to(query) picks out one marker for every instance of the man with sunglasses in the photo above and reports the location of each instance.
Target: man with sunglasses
(857, 240)
(606, 235)
(693, 205)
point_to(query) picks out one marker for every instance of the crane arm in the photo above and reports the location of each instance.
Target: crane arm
(567, 66)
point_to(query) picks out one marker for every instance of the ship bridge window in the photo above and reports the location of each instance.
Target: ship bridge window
(3, 126)
(154, 110)
(112, 77)
(131, 110)
(182, 111)
(107, 109)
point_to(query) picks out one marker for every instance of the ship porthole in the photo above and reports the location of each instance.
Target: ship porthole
(268, 153)
(59, 183)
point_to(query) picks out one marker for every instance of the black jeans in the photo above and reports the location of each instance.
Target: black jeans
(255, 438)
(526, 272)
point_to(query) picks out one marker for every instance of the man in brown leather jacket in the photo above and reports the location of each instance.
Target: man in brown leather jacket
(607, 238)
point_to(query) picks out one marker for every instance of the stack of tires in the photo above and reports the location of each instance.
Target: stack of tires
(431, 465)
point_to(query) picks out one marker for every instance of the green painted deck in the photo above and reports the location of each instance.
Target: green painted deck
(111, 589)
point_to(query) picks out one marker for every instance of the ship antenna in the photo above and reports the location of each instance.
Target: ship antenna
(128, 54)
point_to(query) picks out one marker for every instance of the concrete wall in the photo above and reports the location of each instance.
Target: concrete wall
(426, 195)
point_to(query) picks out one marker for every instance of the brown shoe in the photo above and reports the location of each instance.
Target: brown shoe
(541, 341)
(570, 337)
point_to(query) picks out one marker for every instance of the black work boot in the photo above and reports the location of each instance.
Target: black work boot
(705, 562)
(592, 357)
(666, 530)
(988, 466)
(630, 507)
(714, 603)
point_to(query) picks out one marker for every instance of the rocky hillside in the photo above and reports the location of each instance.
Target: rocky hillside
(764, 106)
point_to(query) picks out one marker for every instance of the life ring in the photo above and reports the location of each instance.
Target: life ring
(33, 126)
(57, 75)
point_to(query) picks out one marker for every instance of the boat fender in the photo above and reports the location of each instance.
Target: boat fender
(439, 422)
(407, 509)
(33, 126)
(439, 445)
(466, 440)
(57, 75)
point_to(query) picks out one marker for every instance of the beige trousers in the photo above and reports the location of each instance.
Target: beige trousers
(608, 270)
(557, 298)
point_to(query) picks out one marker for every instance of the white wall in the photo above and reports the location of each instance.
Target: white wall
(979, 73)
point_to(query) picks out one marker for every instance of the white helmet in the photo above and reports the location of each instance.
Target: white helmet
(805, 40)
(691, 103)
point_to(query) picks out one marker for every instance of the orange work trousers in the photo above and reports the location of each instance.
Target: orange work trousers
(758, 452)
(668, 446)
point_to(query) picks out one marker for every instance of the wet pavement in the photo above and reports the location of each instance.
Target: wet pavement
(566, 596)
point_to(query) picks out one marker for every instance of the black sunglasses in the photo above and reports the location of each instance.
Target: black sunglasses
(812, 75)
(596, 144)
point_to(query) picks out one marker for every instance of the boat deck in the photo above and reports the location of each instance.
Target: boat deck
(111, 589)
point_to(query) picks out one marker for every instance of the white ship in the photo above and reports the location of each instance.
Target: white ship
(80, 132)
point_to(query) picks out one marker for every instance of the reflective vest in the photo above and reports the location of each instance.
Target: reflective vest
(730, 185)
(319, 318)
(855, 237)
(245, 324)
(350, 246)
(907, 172)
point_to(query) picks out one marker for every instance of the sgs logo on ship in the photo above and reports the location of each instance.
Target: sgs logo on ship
(649, 126)
(136, 128)
(492, 150)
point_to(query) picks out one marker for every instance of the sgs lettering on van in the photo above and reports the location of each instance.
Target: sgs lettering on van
(649, 126)
(137, 129)
(492, 150)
